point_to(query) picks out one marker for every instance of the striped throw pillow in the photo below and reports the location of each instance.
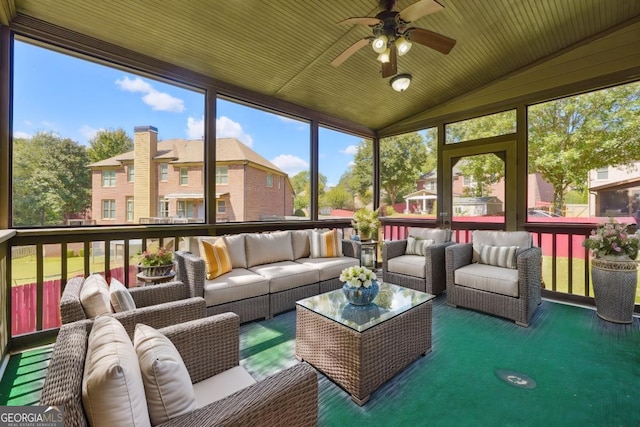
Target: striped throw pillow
(500, 256)
(417, 245)
(121, 299)
(216, 257)
(325, 244)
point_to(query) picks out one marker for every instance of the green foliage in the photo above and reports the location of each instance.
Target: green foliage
(108, 143)
(300, 213)
(389, 211)
(301, 184)
(484, 171)
(71, 253)
(576, 197)
(51, 180)
(338, 198)
(366, 221)
(482, 127)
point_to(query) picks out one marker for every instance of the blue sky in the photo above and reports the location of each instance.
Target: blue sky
(75, 98)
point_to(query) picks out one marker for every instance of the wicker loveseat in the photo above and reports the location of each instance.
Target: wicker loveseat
(271, 271)
(420, 271)
(476, 281)
(157, 306)
(209, 348)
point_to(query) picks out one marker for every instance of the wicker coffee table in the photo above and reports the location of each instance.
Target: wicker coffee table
(362, 347)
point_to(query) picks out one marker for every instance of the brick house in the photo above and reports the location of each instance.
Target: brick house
(164, 182)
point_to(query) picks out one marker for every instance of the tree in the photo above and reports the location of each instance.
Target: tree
(484, 171)
(338, 198)
(51, 181)
(571, 136)
(301, 184)
(108, 143)
(403, 159)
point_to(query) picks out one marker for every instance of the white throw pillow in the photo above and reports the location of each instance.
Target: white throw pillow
(167, 383)
(417, 245)
(94, 296)
(121, 299)
(112, 388)
(265, 248)
(500, 256)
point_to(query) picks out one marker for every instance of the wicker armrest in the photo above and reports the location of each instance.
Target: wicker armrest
(191, 271)
(208, 346)
(157, 294)
(529, 264)
(458, 255)
(70, 307)
(392, 249)
(162, 315)
(351, 248)
(288, 398)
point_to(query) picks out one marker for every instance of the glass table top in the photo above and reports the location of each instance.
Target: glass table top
(391, 301)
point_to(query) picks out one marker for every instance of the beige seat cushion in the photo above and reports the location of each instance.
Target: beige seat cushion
(488, 278)
(236, 285)
(222, 385)
(112, 387)
(410, 265)
(267, 248)
(121, 299)
(522, 239)
(329, 268)
(94, 296)
(438, 235)
(167, 383)
(286, 275)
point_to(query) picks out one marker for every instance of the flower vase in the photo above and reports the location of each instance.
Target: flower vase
(361, 295)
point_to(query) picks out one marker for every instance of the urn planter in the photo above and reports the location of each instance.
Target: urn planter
(614, 288)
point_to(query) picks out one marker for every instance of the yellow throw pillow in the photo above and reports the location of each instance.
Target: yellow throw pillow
(216, 256)
(325, 245)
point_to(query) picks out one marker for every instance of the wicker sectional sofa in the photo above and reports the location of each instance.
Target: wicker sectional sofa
(271, 271)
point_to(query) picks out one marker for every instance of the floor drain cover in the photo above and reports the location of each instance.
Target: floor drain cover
(516, 379)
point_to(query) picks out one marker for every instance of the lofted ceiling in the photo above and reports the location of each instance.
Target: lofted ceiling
(283, 49)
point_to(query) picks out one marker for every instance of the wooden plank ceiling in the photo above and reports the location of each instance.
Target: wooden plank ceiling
(283, 49)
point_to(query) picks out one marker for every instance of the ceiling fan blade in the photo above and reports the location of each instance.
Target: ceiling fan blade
(419, 9)
(442, 44)
(350, 51)
(390, 68)
(361, 21)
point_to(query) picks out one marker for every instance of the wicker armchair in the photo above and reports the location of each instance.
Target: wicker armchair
(157, 306)
(208, 346)
(506, 292)
(422, 273)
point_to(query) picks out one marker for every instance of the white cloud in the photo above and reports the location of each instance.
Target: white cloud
(227, 128)
(158, 101)
(290, 164)
(351, 165)
(195, 128)
(287, 119)
(351, 150)
(88, 132)
(28, 122)
(19, 134)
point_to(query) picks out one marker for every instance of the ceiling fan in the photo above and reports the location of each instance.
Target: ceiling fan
(392, 35)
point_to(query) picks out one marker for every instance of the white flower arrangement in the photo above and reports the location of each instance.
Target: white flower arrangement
(357, 276)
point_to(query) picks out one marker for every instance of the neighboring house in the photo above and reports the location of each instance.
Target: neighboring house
(615, 191)
(164, 182)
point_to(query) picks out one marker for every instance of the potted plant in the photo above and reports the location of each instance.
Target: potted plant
(366, 222)
(614, 270)
(156, 263)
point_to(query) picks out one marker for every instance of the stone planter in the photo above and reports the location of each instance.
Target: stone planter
(614, 288)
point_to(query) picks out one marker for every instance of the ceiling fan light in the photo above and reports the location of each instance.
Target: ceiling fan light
(401, 82)
(402, 45)
(379, 44)
(385, 56)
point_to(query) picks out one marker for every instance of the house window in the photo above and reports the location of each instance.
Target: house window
(222, 206)
(431, 185)
(279, 182)
(129, 208)
(108, 209)
(186, 209)
(184, 176)
(602, 173)
(131, 173)
(269, 180)
(222, 175)
(163, 208)
(467, 181)
(109, 178)
(164, 172)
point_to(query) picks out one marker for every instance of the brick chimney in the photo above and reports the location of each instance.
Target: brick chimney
(145, 187)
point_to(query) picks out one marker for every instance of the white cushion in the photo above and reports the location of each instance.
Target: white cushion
(488, 278)
(237, 251)
(410, 265)
(222, 385)
(438, 235)
(121, 299)
(266, 248)
(417, 245)
(236, 285)
(286, 275)
(167, 383)
(500, 256)
(94, 296)
(112, 388)
(301, 244)
(329, 268)
(522, 239)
